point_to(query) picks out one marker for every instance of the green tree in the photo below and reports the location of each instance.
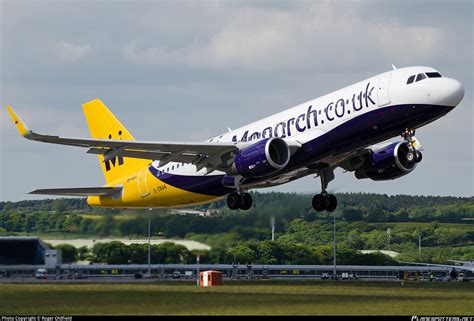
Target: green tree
(352, 214)
(60, 205)
(271, 252)
(105, 226)
(241, 254)
(83, 253)
(68, 252)
(112, 253)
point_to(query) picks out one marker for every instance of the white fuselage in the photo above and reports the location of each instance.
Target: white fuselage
(312, 119)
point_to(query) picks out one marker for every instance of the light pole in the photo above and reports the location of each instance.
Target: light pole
(389, 237)
(27, 225)
(258, 250)
(334, 245)
(197, 270)
(419, 246)
(272, 225)
(149, 243)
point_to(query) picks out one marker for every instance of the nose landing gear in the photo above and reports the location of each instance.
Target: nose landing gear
(325, 201)
(413, 144)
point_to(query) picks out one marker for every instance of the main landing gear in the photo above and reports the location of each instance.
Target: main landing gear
(325, 201)
(413, 144)
(240, 200)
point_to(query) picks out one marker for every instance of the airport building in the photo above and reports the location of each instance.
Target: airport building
(230, 271)
(21, 251)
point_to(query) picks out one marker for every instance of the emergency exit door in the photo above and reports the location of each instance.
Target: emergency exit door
(142, 187)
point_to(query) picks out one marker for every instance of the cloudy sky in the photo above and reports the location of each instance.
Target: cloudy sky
(187, 70)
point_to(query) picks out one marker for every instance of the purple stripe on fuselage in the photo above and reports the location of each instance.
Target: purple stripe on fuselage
(208, 185)
(364, 130)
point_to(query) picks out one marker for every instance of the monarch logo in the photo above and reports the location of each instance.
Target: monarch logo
(114, 160)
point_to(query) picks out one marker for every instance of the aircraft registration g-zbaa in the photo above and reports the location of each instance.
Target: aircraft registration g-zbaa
(339, 129)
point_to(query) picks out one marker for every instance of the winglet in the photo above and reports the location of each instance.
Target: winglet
(19, 124)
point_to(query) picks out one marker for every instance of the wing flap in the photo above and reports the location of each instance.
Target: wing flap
(144, 154)
(78, 191)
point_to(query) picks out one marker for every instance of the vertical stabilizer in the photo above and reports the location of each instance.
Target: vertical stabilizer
(103, 125)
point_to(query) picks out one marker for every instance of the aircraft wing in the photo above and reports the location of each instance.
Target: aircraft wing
(81, 191)
(202, 154)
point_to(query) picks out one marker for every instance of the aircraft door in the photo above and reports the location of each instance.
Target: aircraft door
(383, 86)
(142, 186)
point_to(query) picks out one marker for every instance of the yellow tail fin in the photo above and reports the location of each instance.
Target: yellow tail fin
(103, 125)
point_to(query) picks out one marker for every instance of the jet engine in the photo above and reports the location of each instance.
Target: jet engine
(390, 162)
(263, 158)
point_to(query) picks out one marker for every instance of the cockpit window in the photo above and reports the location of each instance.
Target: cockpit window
(423, 76)
(433, 75)
(420, 77)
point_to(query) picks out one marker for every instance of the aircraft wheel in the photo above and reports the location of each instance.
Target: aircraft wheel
(234, 201)
(319, 202)
(331, 202)
(419, 157)
(411, 156)
(246, 201)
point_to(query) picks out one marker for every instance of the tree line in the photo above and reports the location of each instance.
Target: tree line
(260, 252)
(363, 220)
(66, 215)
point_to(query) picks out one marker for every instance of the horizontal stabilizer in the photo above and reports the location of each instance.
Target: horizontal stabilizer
(80, 191)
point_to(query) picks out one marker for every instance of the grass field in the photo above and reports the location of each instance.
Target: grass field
(306, 297)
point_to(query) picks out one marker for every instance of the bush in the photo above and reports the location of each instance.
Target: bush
(68, 252)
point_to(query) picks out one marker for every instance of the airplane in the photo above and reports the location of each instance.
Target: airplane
(341, 129)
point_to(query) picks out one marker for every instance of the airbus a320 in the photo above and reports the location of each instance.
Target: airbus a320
(340, 129)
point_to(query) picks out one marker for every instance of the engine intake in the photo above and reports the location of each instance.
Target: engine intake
(263, 158)
(390, 162)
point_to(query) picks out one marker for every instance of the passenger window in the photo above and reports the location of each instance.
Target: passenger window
(410, 79)
(433, 75)
(420, 77)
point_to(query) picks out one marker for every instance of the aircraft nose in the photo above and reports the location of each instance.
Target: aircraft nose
(452, 92)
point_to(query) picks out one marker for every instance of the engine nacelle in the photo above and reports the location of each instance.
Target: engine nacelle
(263, 158)
(390, 162)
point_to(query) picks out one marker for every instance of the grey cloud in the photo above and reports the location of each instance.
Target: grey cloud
(217, 37)
(71, 52)
(301, 40)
